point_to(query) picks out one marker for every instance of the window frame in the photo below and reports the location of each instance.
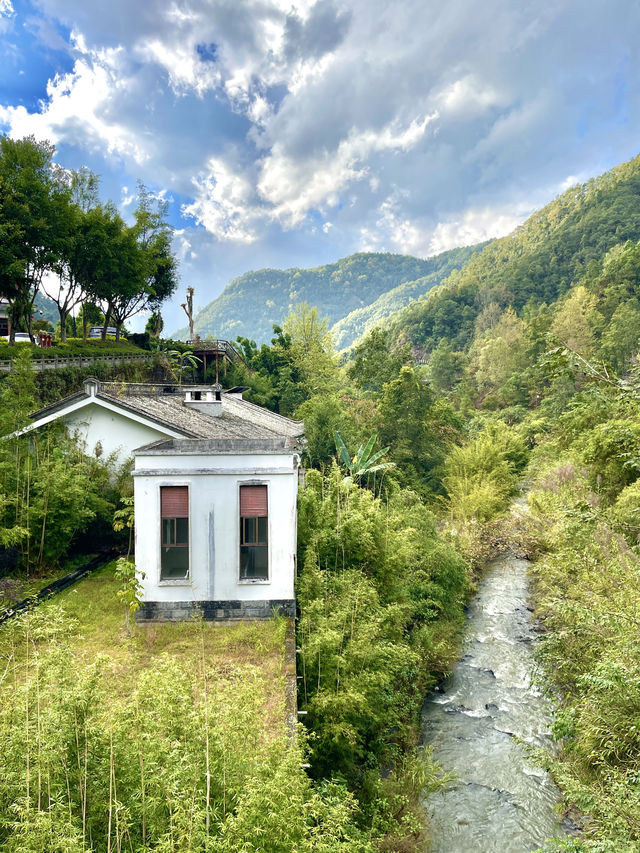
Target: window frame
(185, 580)
(241, 534)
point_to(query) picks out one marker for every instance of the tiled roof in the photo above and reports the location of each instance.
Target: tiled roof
(239, 418)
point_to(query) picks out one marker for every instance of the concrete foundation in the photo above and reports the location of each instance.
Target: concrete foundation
(179, 611)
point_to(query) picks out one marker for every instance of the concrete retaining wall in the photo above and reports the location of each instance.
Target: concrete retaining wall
(78, 361)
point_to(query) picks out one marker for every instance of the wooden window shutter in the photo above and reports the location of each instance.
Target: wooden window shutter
(174, 501)
(253, 501)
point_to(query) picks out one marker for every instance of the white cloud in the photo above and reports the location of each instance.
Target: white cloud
(295, 186)
(475, 226)
(413, 126)
(7, 14)
(81, 108)
(222, 203)
(187, 73)
(468, 97)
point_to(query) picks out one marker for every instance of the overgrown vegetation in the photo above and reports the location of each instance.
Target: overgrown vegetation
(530, 373)
(584, 519)
(172, 740)
(381, 602)
(51, 493)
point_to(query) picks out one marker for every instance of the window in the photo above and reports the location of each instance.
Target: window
(254, 545)
(174, 542)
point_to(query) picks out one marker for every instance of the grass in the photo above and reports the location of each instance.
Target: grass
(25, 587)
(248, 650)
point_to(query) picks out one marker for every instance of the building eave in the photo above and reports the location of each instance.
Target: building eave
(79, 401)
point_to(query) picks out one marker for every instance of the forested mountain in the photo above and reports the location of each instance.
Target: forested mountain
(46, 309)
(252, 303)
(357, 323)
(540, 261)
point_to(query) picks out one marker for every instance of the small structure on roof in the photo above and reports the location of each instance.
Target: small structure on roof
(215, 487)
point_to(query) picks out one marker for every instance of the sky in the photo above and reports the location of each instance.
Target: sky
(294, 132)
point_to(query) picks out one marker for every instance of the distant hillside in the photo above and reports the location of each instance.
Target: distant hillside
(252, 303)
(540, 261)
(46, 309)
(347, 330)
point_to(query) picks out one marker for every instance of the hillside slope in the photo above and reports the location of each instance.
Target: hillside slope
(252, 303)
(537, 263)
(347, 330)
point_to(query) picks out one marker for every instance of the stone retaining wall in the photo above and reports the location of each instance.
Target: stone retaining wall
(178, 611)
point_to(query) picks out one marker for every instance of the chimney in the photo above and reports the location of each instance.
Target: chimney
(207, 400)
(91, 386)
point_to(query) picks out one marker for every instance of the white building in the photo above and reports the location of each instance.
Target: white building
(215, 486)
(5, 323)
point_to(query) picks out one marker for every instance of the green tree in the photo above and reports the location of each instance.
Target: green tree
(621, 338)
(375, 361)
(33, 208)
(365, 462)
(322, 416)
(446, 367)
(416, 426)
(310, 350)
(576, 321)
(82, 189)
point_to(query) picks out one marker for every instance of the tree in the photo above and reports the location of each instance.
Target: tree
(159, 267)
(375, 362)
(155, 324)
(407, 422)
(32, 210)
(69, 292)
(108, 270)
(82, 187)
(180, 363)
(128, 269)
(575, 323)
(310, 349)
(621, 338)
(446, 367)
(365, 462)
(499, 353)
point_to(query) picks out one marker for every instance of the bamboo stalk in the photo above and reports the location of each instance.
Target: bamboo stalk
(27, 751)
(38, 733)
(142, 782)
(110, 789)
(84, 794)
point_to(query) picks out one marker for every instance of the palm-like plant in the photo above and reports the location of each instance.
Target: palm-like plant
(181, 362)
(175, 362)
(364, 462)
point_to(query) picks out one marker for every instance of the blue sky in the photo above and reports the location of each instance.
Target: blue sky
(294, 132)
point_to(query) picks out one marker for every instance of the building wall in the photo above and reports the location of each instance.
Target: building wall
(116, 433)
(214, 536)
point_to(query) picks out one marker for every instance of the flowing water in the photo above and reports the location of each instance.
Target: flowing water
(500, 802)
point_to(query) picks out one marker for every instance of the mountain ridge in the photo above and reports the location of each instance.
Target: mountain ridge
(251, 303)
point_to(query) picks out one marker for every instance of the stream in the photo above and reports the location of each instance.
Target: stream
(500, 802)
